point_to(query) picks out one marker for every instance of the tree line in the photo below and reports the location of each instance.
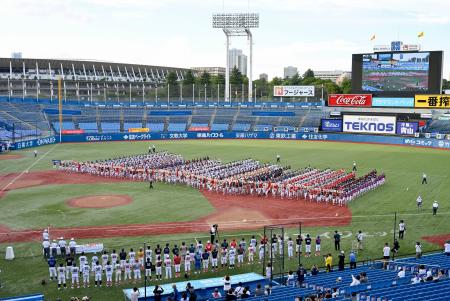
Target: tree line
(237, 79)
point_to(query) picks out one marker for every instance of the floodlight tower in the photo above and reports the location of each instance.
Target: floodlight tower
(237, 24)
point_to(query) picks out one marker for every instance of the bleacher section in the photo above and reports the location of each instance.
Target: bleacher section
(381, 285)
(439, 126)
(114, 118)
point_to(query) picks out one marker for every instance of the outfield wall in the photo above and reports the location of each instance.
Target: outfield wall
(393, 140)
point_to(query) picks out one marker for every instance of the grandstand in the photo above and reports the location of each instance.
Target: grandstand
(381, 284)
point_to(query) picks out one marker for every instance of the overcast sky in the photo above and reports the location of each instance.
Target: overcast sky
(317, 34)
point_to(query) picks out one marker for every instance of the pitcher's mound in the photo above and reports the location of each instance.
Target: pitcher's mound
(100, 201)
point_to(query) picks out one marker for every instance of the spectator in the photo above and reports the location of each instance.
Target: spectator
(341, 261)
(174, 294)
(238, 291)
(246, 293)
(216, 294)
(363, 277)
(259, 291)
(396, 246)
(422, 270)
(314, 270)
(335, 293)
(355, 280)
(329, 262)
(300, 275)
(184, 297)
(401, 273)
(441, 275)
(135, 294)
(352, 258)
(328, 294)
(290, 279)
(192, 294)
(157, 293)
(429, 276)
(226, 283)
(418, 250)
(416, 279)
(268, 290)
(447, 248)
(230, 295)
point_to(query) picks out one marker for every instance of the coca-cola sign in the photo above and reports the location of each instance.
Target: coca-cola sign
(350, 100)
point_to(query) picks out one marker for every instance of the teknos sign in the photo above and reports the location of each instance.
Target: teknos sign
(369, 124)
(350, 100)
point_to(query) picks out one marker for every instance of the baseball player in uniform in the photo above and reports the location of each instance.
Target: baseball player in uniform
(177, 265)
(187, 263)
(232, 257)
(307, 246)
(86, 273)
(261, 252)
(127, 270)
(118, 270)
(290, 248)
(114, 258)
(251, 253)
(168, 266)
(158, 268)
(105, 258)
(318, 244)
(52, 267)
(75, 275)
(132, 256)
(108, 272)
(136, 270)
(214, 258)
(61, 276)
(98, 271)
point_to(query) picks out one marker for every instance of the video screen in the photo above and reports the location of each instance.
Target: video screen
(400, 72)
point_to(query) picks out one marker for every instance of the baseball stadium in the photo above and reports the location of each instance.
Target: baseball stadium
(122, 181)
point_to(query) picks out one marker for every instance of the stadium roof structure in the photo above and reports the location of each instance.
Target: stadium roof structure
(84, 70)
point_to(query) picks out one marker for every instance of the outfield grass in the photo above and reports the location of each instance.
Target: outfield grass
(41, 206)
(372, 213)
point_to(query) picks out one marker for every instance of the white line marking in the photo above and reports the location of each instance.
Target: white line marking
(27, 169)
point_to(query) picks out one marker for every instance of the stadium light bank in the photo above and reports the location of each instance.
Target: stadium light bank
(237, 24)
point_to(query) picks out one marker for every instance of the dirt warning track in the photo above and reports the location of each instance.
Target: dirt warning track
(231, 212)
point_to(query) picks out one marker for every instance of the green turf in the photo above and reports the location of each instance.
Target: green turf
(373, 213)
(49, 205)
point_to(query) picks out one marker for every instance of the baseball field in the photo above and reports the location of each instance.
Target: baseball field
(126, 214)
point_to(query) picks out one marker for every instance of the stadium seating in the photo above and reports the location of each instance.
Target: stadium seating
(110, 127)
(439, 126)
(88, 127)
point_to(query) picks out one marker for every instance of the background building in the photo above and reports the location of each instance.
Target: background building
(16, 55)
(335, 76)
(238, 59)
(289, 71)
(211, 70)
(264, 76)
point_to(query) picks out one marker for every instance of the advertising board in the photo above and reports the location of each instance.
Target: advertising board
(291, 91)
(350, 100)
(407, 128)
(432, 101)
(369, 124)
(331, 125)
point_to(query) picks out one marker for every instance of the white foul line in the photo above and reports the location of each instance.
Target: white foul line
(27, 169)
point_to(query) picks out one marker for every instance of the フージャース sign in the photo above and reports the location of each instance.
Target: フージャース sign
(436, 101)
(290, 91)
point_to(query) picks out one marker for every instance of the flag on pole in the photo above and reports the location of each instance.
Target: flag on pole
(421, 34)
(373, 37)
